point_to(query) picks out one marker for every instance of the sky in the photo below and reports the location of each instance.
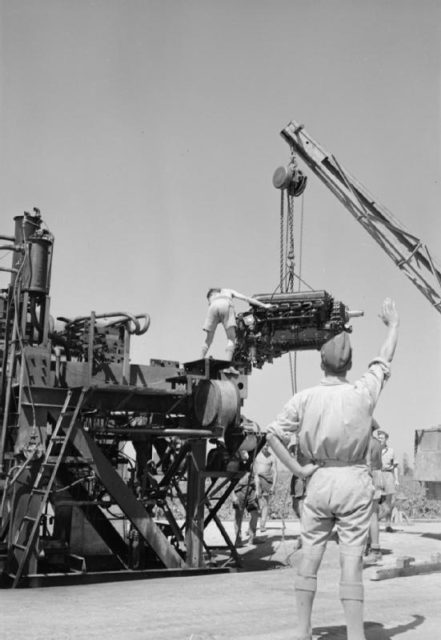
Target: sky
(147, 132)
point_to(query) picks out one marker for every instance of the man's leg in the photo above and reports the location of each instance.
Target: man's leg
(265, 498)
(238, 517)
(351, 589)
(392, 507)
(387, 510)
(306, 587)
(254, 517)
(231, 342)
(374, 534)
(209, 335)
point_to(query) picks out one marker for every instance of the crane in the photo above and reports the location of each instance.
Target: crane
(408, 252)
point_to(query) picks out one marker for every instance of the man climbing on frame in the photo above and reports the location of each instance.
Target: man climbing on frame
(221, 311)
(333, 422)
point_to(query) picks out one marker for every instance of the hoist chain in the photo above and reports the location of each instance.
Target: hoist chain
(290, 241)
(282, 230)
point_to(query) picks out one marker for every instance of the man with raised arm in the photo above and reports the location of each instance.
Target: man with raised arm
(333, 423)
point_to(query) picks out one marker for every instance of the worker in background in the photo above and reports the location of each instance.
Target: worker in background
(245, 497)
(297, 487)
(373, 549)
(221, 311)
(265, 473)
(333, 421)
(390, 478)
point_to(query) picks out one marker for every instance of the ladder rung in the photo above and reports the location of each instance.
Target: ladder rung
(30, 518)
(19, 546)
(41, 491)
(58, 438)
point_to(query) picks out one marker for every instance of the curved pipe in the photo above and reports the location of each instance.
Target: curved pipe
(138, 330)
(9, 270)
(119, 316)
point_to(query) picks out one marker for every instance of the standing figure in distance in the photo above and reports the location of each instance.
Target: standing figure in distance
(297, 486)
(390, 478)
(373, 550)
(221, 311)
(265, 471)
(244, 497)
(333, 421)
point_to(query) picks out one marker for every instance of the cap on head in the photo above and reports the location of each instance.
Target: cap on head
(380, 432)
(337, 354)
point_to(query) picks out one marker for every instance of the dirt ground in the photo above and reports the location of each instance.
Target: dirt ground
(254, 603)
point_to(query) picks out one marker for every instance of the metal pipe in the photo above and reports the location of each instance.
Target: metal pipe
(10, 247)
(10, 369)
(184, 433)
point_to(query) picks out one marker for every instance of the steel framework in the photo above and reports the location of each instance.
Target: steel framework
(74, 504)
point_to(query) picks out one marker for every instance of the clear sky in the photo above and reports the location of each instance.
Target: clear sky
(147, 132)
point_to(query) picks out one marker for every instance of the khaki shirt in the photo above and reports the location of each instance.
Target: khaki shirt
(388, 459)
(333, 419)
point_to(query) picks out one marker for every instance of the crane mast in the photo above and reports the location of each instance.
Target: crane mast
(408, 252)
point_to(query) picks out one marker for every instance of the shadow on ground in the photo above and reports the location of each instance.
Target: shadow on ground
(269, 553)
(373, 630)
(429, 536)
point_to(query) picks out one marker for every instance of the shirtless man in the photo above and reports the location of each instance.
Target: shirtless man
(221, 311)
(265, 472)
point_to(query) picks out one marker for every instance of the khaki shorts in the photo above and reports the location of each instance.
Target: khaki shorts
(220, 311)
(265, 486)
(246, 498)
(388, 483)
(340, 497)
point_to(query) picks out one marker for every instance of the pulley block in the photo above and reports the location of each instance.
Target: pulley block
(291, 179)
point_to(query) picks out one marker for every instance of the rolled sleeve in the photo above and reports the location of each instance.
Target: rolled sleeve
(384, 364)
(286, 424)
(375, 377)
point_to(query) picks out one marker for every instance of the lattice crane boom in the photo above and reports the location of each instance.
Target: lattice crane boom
(407, 251)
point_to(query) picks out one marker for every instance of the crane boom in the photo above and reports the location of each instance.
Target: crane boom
(408, 251)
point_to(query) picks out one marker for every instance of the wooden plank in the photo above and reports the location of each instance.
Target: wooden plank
(405, 566)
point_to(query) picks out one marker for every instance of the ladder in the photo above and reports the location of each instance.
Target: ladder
(27, 531)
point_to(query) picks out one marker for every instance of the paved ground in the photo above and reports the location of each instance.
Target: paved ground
(256, 604)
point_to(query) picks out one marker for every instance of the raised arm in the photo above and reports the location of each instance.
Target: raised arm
(389, 316)
(278, 434)
(252, 301)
